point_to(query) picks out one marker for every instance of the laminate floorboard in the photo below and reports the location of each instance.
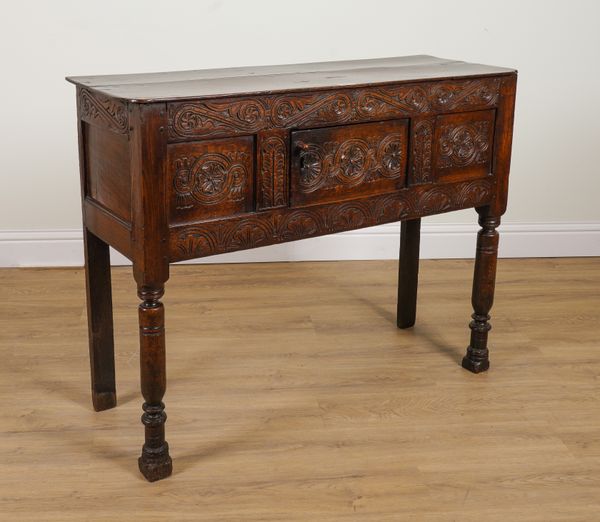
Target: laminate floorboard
(292, 396)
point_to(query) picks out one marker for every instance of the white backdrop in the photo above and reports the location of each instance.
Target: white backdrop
(554, 197)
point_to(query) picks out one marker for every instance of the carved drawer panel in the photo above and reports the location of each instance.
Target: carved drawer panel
(463, 146)
(210, 179)
(337, 163)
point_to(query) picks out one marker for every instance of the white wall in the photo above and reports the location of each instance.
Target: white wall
(554, 44)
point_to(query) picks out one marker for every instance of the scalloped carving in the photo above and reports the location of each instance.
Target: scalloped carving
(280, 225)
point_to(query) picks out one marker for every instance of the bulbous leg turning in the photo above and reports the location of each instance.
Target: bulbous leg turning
(484, 280)
(155, 462)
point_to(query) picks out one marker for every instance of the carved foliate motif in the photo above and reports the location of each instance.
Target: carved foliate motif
(464, 144)
(279, 225)
(252, 114)
(104, 111)
(422, 149)
(210, 178)
(272, 181)
(351, 162)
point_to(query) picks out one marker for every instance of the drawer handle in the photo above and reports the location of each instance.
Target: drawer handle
(302, 146)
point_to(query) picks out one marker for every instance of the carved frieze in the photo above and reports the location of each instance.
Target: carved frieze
(188, 120)
(104, 111)
(279, 225)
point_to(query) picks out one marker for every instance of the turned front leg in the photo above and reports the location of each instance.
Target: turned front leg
(484, 281)
(155, 462)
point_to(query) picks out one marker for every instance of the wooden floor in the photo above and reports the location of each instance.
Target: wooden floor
(293, 396)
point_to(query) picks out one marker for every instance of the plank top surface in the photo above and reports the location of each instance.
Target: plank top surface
(163, 86)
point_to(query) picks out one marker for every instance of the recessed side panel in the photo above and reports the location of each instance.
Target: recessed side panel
(208, 179)
(108, 179)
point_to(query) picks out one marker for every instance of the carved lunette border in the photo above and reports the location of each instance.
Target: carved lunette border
(103, 111)
(248, 115)
(281, 225)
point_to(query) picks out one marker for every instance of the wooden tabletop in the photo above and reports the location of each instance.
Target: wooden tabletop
(149, 87)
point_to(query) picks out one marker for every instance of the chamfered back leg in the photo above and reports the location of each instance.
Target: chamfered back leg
(408, 272)
(100, 321)
(484, 281)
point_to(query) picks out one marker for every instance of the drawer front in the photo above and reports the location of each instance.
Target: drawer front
(338, 163)
(463, 146)
(210, 179)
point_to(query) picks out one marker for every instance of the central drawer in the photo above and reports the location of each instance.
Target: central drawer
(335, 163)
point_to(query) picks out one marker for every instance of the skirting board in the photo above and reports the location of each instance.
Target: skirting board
(438, 241)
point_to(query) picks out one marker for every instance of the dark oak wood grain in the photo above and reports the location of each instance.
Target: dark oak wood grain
(108, 181)
(178, 166)
(408, 272)
(100, 321)
(165, 86)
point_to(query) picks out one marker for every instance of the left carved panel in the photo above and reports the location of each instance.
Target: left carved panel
(209, 179)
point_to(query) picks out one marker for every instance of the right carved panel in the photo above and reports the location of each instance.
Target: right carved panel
(463, 146)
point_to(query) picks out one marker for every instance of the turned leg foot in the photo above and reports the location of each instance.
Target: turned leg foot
(155, 462)
(408, 273)
(100, 321)
(484, 279)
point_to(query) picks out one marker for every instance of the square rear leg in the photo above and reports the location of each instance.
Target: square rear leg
(100, 321)
(408, 273)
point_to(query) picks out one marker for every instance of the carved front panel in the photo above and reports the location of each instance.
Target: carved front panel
(355, 160)
(463, 145)
(210, 179)
(248, 115)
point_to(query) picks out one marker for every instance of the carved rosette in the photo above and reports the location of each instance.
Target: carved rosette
(104, 111)
(463, 145)
(209, 178)
(279, 225)
(252, 114)
(351, 162)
